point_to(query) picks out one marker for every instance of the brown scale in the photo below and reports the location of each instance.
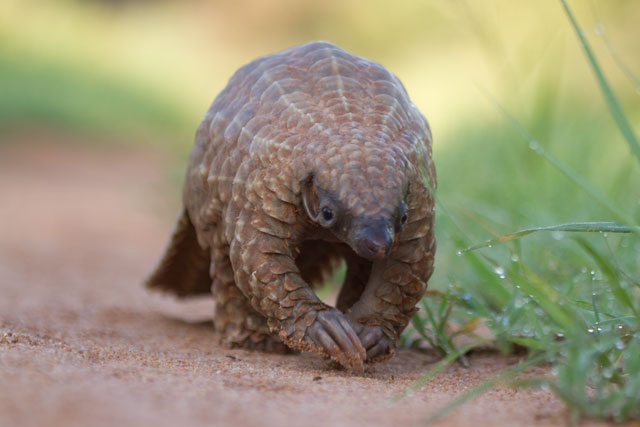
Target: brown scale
(307, 157)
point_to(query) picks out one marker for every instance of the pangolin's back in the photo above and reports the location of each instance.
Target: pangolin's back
(306, 103)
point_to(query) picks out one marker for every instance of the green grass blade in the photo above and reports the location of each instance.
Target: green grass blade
(607, 267)
(506, 375)
(577, 179)
(443, 363)
(494, 293)
(610, 98)
(530, 343)
(549, 299)
(584, 227)
(421, 328)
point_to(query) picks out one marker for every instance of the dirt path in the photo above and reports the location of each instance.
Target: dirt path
(83, 343)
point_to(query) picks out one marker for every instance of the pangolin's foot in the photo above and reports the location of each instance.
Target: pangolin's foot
(379, 344)
(332, 334)
(375, 342)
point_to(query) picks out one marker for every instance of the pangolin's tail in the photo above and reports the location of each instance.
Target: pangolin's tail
(184, 268)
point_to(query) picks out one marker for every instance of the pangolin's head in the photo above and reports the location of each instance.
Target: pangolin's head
(360, 198)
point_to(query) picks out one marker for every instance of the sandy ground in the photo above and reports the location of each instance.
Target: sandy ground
(83, 343)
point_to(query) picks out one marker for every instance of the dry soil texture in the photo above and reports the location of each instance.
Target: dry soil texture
(83, 343)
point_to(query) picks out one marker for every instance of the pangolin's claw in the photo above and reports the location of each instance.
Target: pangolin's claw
(380, 348)
(373, 340)
(333, 333)
(370, 336)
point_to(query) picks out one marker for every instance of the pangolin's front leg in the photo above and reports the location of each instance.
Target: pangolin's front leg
(395, 286)
(262, 254)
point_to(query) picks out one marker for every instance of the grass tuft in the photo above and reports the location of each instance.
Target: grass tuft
(572, 300)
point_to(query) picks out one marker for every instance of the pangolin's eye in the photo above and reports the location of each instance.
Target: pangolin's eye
(402, 217)
(327, 214)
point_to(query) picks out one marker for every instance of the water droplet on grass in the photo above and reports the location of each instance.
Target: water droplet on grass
(499, 271)
(459, 252)
(535, 146)
(590, 329)
(515, 258)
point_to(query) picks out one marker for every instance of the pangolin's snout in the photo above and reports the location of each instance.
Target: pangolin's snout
(375, 242)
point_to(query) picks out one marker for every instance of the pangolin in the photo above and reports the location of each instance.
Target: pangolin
(307, 157)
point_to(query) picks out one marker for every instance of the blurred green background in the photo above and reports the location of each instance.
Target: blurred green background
(153, 67)
(147, 71)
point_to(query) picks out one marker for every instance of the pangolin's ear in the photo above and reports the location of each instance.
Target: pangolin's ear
(310, 199)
